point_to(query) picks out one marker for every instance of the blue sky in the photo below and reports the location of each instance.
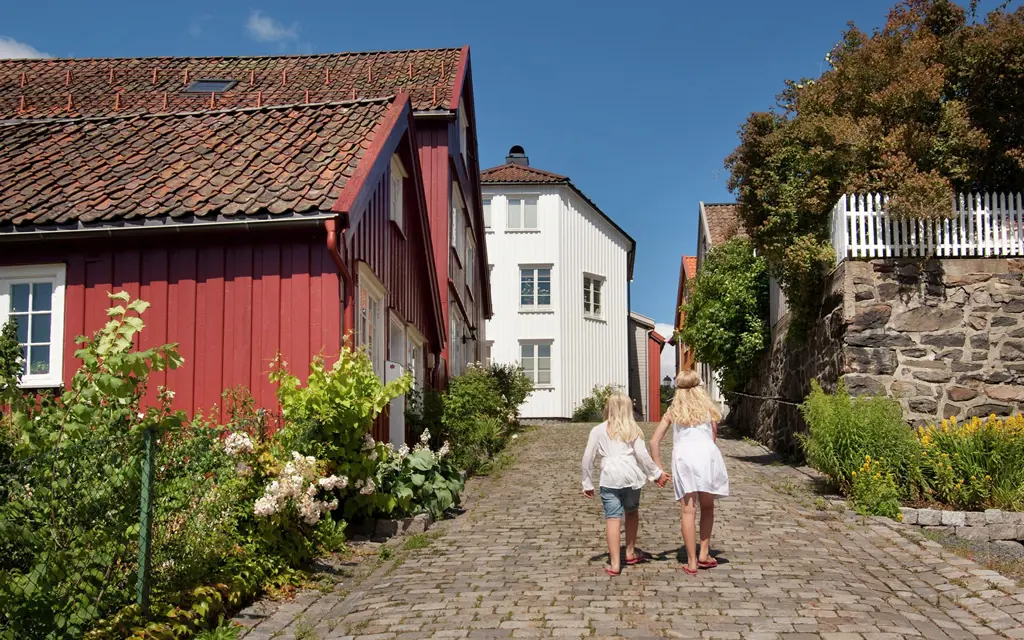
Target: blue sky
(638, 103)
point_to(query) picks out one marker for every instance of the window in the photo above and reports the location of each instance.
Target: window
(398, 176)
(487, 213)
(488, 346)
(210, 85)
(535, 357)
(371, 318)
(522, 213)
(463, 132)
(592, 286)
(470, 263)
(416, 364)
(34, 298)
(457, 221)
(534, 288)
(457, 348)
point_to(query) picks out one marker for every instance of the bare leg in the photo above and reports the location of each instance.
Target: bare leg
(707, 522)
(632, 527)
(689, 517)
(612, 529)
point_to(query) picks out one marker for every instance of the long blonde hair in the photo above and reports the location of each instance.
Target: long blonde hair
(618, 411)
(691, 404)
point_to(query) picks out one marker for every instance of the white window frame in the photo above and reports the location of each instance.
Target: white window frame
(56, 275)
(596, 311)
(488, 353)
(470, 260)
(458, 222)
(377, 344)
(533, 372)
(521, 226)
(398, 176)
(486, 203)
(416, 362)
(457, 347)
(536, 306)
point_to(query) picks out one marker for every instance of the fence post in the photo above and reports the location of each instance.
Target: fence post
(145, 519)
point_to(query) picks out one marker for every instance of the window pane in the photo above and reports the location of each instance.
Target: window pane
(42, 293)
(515, 214)
(530, 216)
(544, 286)
(526, 286)
(40, 327)
(487, 214)
(526, 350)
(544, 350)
(586, 300)
(19, 297)
(39, 359)
(24, 359)
(544, 375)
(21, 322)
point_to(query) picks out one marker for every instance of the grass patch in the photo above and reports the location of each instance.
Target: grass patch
(417, 541)
(305, 630)
(385, 553)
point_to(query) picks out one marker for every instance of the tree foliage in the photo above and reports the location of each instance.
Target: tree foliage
(926, 106)
(726, 317)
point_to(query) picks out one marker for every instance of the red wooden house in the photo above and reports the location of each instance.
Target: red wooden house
(260, 204)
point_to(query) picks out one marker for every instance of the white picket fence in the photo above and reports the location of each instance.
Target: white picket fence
(989, 224)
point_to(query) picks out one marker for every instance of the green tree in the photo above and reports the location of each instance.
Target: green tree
(726, 316)
(924, 107)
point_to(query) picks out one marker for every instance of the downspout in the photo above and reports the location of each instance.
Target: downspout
(348, 319)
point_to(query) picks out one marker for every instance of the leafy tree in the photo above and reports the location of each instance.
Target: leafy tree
(924, 107)
(726, 316)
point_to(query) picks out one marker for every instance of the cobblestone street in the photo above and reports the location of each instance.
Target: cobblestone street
(525, 561)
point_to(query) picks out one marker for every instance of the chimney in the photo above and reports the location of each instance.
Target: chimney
(517, 155)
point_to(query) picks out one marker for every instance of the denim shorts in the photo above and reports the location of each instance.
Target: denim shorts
(619, 501)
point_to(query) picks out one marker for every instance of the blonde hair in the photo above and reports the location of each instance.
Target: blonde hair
(618, 411)
(691, 404)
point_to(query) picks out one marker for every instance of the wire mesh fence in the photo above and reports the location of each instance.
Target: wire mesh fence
(69, 533)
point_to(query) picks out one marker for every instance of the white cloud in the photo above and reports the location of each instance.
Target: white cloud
(263, 28)
(11, 48)
(668, 354)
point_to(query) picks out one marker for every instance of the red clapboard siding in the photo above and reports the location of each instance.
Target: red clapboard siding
(432, 144)
(231, 304)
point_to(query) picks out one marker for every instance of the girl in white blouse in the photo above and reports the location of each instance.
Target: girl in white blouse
(625, 468)
(698, 468)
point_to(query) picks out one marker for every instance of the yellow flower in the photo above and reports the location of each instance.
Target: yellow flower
(899, 517)
(868, 458)
(988, 477)
(853, 473)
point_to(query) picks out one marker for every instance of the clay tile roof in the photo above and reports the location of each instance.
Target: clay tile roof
(519, 174)
(723, 222)
(275, 160)
(690, 266)
(99, 87)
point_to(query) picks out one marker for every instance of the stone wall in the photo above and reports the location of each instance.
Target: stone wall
(945, 337)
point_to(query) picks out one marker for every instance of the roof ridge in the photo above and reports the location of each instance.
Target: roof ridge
(526, 167)
(250, 57)
(13, 122)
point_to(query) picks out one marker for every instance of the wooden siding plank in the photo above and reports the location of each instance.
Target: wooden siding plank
(74, 312)
(182, 308)
(153, 289)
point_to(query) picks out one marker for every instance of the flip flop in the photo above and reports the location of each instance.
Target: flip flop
(689, 571)
(639, 558)
(711, 563)
(613, 574)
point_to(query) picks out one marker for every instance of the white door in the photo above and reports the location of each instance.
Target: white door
(397, 355)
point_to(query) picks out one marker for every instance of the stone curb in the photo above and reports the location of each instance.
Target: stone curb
(990, 525)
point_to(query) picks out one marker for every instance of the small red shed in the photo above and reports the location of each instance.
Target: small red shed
(251, 231)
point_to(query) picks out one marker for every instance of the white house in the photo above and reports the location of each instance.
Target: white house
(560, 272)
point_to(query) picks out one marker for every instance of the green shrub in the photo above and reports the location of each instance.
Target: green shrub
(330, 419)
(513, 385)
(591, 408)
(842, 430)
(421, 480)
(475, 420)
(423, 412)
(874, 490)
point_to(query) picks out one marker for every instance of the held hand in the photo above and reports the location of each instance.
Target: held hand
(663, 480)
(589, 493)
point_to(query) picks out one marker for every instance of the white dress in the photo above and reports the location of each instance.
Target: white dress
(697, 464)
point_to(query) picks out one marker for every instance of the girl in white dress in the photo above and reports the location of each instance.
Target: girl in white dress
(698, 469)
(625, 468)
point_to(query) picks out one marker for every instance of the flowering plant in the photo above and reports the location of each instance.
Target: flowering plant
(419, 480)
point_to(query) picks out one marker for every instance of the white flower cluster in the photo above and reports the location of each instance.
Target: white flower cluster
(443, 451)
(366, 487)
(298, 482)
(237, 443)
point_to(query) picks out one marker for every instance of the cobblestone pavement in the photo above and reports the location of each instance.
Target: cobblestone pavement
(525, 561)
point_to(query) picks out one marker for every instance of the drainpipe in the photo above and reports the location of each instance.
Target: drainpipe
(348, 313)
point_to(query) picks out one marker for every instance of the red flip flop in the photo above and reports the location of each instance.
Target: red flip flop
(710, 564)
(639, 558)
(613, 574)
(689, 571)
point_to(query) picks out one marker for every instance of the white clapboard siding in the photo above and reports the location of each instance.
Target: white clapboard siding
(979, 224)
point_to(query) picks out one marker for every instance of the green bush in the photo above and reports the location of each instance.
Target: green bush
(842, 430)
(591, 408)
(421, 480)
(423, 412)
(513, 385)
(727, 314)
(874, 490)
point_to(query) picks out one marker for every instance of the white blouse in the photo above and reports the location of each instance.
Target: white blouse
(623, 464)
